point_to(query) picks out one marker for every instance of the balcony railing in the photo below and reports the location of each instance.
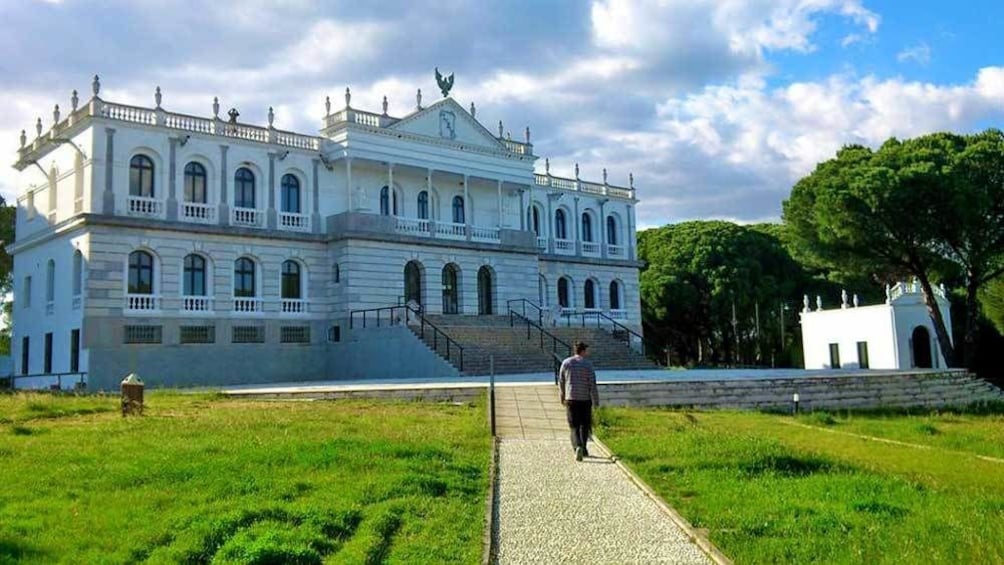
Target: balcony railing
(564, 246)
(293, 306)
(412, 226)
(542, 243)
(245, 305)
(590, 248)
(198, 212)
(451, 230)
(485, 233)
(583, 186)
(246, 217)
(615, 250)
(145, 207)
(196, 304)
(50, 307)
(293, 221)
(618, 315)
(76, 302)
(142, 302)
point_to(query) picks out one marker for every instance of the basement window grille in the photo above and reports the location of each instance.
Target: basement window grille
(248, 334)
(198, 334)
(142, 334)
(294, 334)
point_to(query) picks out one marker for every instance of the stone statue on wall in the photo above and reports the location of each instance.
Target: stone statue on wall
(359, 198)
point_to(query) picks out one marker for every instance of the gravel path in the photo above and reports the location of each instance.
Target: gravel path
(552, 509)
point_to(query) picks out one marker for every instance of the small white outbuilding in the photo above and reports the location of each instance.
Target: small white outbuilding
(898, 334)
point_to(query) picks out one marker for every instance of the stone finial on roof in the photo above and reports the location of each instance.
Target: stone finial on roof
(327, 105)
(941, 287)
(527, 134)
(418, 99)
(805, 303)
(819, 303)
(547, 166)
(385, 105)
(24, 138)
(843, 298)
(38, 127)
(631, 180)
(271, 116)
(604, 175)
(508, 135)
(500, 129)
(888, 294)
(216, 107)
(55, 115)
(576, 171)
(474, 111)
(157, 97)
(96, 85)
(74, 100)
(348, 97)
(856, 303)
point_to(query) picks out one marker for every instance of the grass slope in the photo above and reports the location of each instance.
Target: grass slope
(205, 480)
(772, 492)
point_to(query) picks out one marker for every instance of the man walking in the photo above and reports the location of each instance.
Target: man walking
(578, 392)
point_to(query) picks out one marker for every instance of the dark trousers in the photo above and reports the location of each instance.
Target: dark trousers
(580, 419)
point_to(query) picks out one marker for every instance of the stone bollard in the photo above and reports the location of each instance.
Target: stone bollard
(132, 395)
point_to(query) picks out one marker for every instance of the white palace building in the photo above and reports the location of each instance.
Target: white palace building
(204, 250)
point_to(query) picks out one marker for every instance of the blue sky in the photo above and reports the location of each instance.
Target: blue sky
(717, 106)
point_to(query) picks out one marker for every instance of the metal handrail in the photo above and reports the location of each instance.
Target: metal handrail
(530, 325)
(601, 316)
(408, 312)
(80, 375)
(523, 302)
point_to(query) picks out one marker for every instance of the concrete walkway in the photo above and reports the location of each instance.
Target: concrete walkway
(551, 509)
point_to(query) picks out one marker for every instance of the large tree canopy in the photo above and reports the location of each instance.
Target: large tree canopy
(931, 207)
(716, 292)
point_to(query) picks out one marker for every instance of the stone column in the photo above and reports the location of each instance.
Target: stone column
(224, 175)
(630, 236)
(271, 216)
(433, 203)
(578, 228)
(315, 218)
(390, 190)
(499, 190)
(108, 196)
(467, 209)
(348, 183)
(603, 229)
(523, 209)
(172, 172)
(550, 223)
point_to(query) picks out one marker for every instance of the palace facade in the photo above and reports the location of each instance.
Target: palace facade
(206, 250)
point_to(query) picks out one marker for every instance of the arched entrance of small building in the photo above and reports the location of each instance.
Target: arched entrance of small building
(920, 341)
(451, 291)
(413, 282)
(485, 307)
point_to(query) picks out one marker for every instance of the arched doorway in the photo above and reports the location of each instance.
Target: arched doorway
(413, 282)
(920, 341)
(564, 296)
(485, 291)
(451, 298)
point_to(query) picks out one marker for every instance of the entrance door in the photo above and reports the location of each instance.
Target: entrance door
(412, 283)
(451, 302)
(485, 292)
(921, 342)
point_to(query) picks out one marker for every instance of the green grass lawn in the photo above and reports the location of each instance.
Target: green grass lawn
(771, 492)
(201, 479)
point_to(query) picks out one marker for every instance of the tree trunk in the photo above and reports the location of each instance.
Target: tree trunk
(944, 341)
(972, 320)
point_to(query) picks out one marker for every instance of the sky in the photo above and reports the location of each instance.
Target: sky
(717, 106)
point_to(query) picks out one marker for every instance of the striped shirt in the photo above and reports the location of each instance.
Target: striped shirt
(577, 380)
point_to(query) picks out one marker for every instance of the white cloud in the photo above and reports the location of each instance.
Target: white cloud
(920, 54)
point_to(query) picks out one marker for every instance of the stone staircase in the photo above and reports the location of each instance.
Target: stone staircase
(483, 336)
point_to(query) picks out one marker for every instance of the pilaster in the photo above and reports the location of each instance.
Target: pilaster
(271, 216)
(315, 216)
(224, 175)
(172, 172)
(108, 195)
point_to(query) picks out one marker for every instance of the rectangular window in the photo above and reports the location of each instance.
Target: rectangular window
(25, 356)
(294, 334)
(198, 334)
(26, 293)
(74, 351)
(48, 354)
(335, 334)
(834, 356)
(863, 354)
(142, 334)
(248, 334)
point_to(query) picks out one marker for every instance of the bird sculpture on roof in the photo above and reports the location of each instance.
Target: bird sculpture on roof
(445, 83)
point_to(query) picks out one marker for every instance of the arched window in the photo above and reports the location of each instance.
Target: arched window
(615, 295)
(451, 290)
(388, 201)
(611, 231)
(194, 276)
(244, 278)
(423, 205)
(560, 228)
(244, 188)
(291, 288)
(564, 296)
(290, 194)
(590, 295)
(413, 282)
(141, 176)
(50, 281)
(140, 273)
(535, 220)
(458, 210)
(587, 227)
(78, 272)
(195, 183)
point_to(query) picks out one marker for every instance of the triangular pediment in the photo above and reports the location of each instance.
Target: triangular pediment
(449, 121)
